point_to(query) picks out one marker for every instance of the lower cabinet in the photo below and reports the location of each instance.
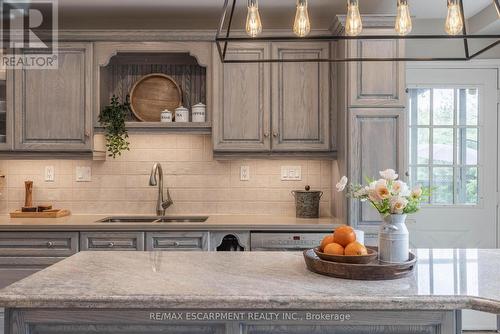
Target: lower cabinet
(177, 241)
(112, 241)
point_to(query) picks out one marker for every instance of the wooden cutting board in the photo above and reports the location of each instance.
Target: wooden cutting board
(54, 213)
(152, 94)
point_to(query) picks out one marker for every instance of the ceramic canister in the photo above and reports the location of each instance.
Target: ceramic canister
(307, 203)
(198, 112)
(166, 116)
(181, 114)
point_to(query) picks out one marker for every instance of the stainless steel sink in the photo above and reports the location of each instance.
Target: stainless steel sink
(154, 219)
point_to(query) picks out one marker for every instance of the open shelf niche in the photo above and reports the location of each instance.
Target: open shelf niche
(124, 69)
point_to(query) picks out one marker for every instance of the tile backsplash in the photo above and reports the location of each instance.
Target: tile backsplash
(198, 184)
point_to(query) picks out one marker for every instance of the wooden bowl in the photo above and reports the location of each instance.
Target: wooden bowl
(355, 259)
(153, 93)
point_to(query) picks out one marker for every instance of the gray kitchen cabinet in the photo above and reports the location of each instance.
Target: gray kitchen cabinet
(53, 107)
(243, 105)
(38, 244)
(273, 108)
(377, 142)
(371, 117)
(112, 241)
(300, 98)
(177, 241)
(377, 83)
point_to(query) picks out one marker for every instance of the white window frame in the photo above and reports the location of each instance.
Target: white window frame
(456, 166)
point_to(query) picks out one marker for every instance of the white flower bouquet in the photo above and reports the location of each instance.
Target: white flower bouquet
(388, 194)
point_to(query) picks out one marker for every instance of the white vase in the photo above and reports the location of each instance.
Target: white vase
(393, 239)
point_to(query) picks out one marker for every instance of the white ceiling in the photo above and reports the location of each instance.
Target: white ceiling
(204, 13)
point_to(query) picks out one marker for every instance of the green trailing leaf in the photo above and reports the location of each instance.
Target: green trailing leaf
(112, 117)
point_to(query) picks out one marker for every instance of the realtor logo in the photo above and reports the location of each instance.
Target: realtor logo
(29, 33)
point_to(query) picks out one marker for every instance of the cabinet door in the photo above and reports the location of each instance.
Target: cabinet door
(300, 95)
(6, 120)
(177, 241)
(242, 103)
(376, 142)
(375, 84)
(112, 241)
(53, 107)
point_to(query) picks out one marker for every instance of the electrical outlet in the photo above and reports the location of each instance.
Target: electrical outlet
(245, 173)
(83, 174)
(291, 173)
(49, 174)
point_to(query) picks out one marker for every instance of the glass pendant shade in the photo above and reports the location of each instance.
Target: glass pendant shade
(353, 24)
(454, 23)
(403, 24)
(254, 25)
(301, 25)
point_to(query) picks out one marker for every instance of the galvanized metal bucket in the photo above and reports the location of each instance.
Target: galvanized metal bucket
(307, 203)
(393, 240)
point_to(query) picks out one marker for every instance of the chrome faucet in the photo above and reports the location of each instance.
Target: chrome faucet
(161, 205)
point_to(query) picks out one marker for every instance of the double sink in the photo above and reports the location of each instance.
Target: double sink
(153, 219)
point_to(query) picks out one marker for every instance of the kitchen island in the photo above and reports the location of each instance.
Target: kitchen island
(246, 292)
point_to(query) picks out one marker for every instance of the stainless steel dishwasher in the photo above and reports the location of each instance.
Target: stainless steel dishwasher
(285, 241)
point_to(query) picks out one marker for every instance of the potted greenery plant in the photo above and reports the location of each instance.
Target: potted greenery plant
(112, 117)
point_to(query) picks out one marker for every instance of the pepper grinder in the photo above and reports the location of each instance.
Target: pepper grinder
(28, 197)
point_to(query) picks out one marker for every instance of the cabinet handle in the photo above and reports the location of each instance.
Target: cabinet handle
(275, 134)
(50, 244)
(176, 244)
(266, 134)
(111, 245)
(87, 134)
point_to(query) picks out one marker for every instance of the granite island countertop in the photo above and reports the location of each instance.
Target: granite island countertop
(214, 222)
(445, 279)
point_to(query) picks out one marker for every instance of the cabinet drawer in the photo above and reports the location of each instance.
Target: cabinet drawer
(36, 244)
(99, 241)
(172, 241)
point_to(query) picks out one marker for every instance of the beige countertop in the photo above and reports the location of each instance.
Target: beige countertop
(214, 222)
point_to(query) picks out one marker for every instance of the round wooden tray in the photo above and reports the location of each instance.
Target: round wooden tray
(152, 94)
(359, 259)
(371, 271)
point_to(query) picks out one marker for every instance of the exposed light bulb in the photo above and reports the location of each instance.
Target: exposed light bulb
(353, 24)
(454, 23)
(403, 20)
(301, 25)
(254, 25)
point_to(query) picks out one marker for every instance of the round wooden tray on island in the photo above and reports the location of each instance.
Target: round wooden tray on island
(373, 270)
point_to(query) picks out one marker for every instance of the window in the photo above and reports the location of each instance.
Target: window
(444, 143)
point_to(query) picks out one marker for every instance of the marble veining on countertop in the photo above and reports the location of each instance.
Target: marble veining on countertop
(214, 222)
(444, 279)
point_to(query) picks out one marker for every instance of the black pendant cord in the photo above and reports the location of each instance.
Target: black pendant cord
(222, 49)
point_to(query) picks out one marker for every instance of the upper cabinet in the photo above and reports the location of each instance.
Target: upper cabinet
(278, 108)
(242, 107)
(52, 108)
(300, 95)
(5, 109)
(376, 83)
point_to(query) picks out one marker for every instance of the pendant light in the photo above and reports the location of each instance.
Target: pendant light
(353, 24)
(301, 25)
(454, 23)
(254, 25)
(403, 20)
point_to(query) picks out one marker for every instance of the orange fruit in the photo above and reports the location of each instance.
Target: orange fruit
(334, 249)
(355, 248)
(344, 235)
(326, 240)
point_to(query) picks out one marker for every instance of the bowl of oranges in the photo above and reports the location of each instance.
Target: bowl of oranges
(341, 246)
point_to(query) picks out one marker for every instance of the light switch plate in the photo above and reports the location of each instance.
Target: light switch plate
(83, 174)
(291, 173)
(49, 174)
(245, 173)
